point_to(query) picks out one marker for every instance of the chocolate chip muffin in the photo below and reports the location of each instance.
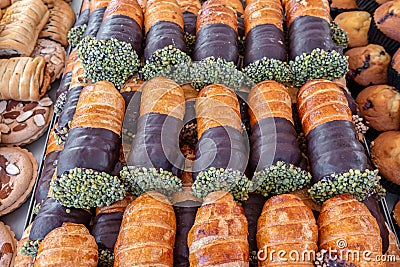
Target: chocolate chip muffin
(380, 106)
(368, 65)
(356, 24)
(394, 71)
(385, 150)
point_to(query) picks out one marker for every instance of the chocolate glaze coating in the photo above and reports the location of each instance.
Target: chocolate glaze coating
(185, 213)
(307, 33)
(106, 229)
(43, 184)
(64, 83)
(83, 18)
(264, 40)
(156, 143)
(221, 147)
(162, 34)
(333, 147)
(69, 108)
(122, 28)
(52, 215)
(132, 110)
(217, 40)
(190, 21)
(95, 19)
(252, 210)
(272, 140)
(92, 148)
(240, 19)
(373, 207)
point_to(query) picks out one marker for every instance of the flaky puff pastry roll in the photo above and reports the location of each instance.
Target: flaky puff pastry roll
(23, 78)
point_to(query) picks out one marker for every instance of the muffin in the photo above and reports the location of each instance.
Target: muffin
(384, 28)
(356, 24)
(380, 106)
(368, 65)
(385, 151)
(396, 213)
(340, 6)
(394, 70)
(370, 5)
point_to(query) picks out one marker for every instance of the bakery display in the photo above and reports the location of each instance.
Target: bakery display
(219, 233)
(8, 245)
(394, 70)
(356, 24)
(75, 34)
(190, 9)
(341, 6)
(97, 9)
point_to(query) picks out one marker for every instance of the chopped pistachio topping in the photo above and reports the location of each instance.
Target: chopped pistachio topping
(190, 41)
(228, 180)
(30, 248)
(106, 258)
(339, 36)
(319, 64)
(87, 188)
(268, 69)
(164, 61)
(111, 60)
(139, 180)
(279, 179)
(241, 44)
(36, 208)
(60, 103)
(61, 133)
(75, 35)
(360, 184)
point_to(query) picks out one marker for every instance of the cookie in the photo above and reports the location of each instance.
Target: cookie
(54, 54)
(18, 172)
(20, 259)
(8, 246)
(23, 122)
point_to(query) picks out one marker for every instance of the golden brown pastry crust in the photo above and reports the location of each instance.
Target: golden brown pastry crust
(217, 11)
(380, 106)
(356, 24)
(219, 234)
(132, 85)
(61, 20)
(396, 61)
(164, 96)
(396, 213)
(393, 251)
(5, 3)
(287, 224)
(321, 101)
(390, 25)
(68, 245)
(52, 144)
(23, 78)
(217, 105)
(95, 4)
(118, 206)
(263, 12)
(147, 233)
(128, 8)
(20, 27)
(162, 10)
(269, 99)
(315, 8)
(21, 260)
(192, 6)
(78, 74)
(385, 152)
(343, 218)
(100, 105)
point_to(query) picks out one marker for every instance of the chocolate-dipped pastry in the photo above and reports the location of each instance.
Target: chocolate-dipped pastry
(113, 54)
(92, 150)
(265, 51)
(287, 224)
(313, 53)
(71, 99)
(52, 215)
(346, 225)
(147, 234)
(97, 9)
(252, 210)
(106, 228)
(276, 160)
(339, 163)
(75, 34)
(49, 166)
(21, 25)
(65, 82)
(68, 245)
(219, 234)
(165, 43)
(216, 48)
(155, 160)
(221, 152)
(188, 134)
(190, 9)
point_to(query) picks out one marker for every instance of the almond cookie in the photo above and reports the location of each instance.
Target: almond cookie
(54, 54)
(18, 171)
(23, 122)
(20, 259)
(8, 246)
